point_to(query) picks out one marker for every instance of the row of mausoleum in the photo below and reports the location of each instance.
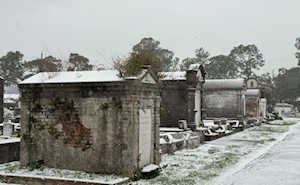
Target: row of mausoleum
(100, 122)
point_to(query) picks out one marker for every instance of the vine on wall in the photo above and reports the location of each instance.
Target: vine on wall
(61, 111)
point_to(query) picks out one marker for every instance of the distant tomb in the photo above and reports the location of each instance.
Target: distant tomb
(182, 97)
(284, 109)
(224, 98)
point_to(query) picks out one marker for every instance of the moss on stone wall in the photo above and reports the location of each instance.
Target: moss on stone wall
(53, 132)
(37, 106)
(104, 106)
(117, 103)
(60, 111)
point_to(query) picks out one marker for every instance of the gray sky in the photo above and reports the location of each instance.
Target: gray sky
(111, 27)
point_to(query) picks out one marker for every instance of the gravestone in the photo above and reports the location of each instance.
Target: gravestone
(7, 129)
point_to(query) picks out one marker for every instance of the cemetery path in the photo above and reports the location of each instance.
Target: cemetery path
(278, 166)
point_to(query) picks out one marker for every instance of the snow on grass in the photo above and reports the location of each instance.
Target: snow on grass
(285, 123)
(271, 129)
(14, 167)
(189, 167)
(202, 164)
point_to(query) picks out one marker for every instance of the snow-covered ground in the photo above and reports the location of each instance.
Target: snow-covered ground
(39, 171)
(266, 152)
(278, 166)
(213, 161)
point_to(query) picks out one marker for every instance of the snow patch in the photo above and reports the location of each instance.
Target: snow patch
(170, 129)
(179, 75)
(74, 77)
(150, 168)
(9, 140)
(14, 169)
(252, 92)
(214, 84)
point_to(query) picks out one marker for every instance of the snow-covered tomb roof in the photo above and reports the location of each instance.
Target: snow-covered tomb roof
(252, 92)
(74, 77)
(220, 84)
(178, 75)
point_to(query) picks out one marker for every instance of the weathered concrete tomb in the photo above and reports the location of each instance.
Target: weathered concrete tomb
(182, 97)
(252, 103)
(253, 97)
(284, 109)
(224, 98)
(93, 121)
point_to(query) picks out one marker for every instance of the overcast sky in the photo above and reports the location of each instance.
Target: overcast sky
(99, 29)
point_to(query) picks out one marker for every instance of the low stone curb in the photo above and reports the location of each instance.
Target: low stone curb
(47, 180)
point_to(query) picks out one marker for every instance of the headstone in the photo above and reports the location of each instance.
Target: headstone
(192, 126)
(217, 121)
(223, 121)
(182, 124)
(7, 129)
